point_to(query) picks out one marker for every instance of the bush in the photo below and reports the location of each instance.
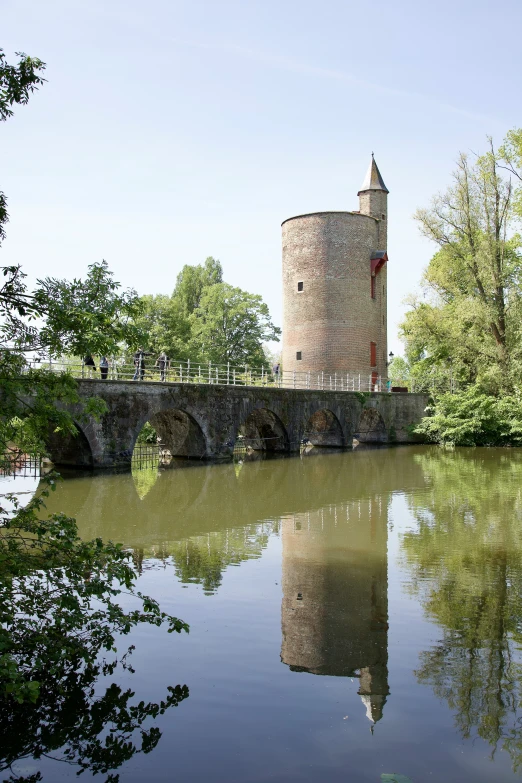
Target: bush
(474, 418)
(148, 434)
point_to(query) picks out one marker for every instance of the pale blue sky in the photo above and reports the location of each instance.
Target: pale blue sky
(172, 130)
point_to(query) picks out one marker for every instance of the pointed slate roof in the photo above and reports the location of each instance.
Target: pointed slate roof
(373, 179)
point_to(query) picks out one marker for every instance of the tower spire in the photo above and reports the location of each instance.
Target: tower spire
(373, 179)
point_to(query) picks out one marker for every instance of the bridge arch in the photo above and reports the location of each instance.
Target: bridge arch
(179, 432)
(70, 449)
(263, 430)
(323, 428)
(371, 427)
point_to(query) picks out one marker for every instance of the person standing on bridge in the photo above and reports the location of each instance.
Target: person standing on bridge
(139, 363)
(275, 371)
(104, 367)
(162, 363)
(89, 363)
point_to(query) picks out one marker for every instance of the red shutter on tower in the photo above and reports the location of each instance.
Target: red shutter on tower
(376, 263)
(373, 354)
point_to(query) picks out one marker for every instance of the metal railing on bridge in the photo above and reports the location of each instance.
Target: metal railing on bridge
(222, 374)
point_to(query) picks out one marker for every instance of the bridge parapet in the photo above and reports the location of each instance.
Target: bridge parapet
(185, 371)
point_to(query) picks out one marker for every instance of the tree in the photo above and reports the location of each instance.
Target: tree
(17, 82)
(230, 325)
(165, 326)
(59, 317)
(192, 282)
(165, 320)
(399, 371)
(472, 317)
(206, 319)
(59, 611)
(59, 595)
(87, 316)
(511, 160)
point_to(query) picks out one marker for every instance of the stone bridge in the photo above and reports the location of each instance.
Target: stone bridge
(202, 421)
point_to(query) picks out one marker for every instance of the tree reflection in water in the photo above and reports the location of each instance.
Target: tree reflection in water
(466, 562)
(81, 715)
(74, 725)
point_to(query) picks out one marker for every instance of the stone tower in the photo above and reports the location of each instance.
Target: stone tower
(334, 287)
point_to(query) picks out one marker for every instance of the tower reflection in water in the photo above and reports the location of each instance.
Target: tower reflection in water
(334, 613)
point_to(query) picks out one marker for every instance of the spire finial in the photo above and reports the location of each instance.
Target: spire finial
(373, 179)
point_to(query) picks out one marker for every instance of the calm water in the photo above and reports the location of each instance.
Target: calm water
(351, 614)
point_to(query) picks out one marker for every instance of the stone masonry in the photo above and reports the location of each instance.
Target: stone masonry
(205, 421)
(332, 311)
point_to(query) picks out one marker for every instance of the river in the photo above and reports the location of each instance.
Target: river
(351, 615)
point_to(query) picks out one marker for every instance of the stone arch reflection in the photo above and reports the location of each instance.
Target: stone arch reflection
(334, 613)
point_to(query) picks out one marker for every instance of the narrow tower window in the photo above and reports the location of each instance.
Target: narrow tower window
(300, 286)
(373, 287)
(299, 356)
(373, 354)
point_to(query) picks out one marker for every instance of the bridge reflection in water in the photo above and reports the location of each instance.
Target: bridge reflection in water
(334, 613)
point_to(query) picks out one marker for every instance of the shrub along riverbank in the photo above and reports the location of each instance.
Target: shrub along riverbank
(474, 418)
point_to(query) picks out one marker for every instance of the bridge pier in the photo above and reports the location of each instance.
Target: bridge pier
(204, 421)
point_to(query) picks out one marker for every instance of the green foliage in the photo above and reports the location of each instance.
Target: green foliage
(87, 316)
(145, 475)
(192, 281)
(61, 606)
(511, 158)
(30, 397)
(206, 319)
(472, 417)
(166, 327)
(60, 609)
(17, 82)
(230, 325)
(464, 558)
(466, 335)
(203, 559)
(471, 314)
(148, 434)
(30, 410)
(399, 371)
(165, 320)
(431, 377)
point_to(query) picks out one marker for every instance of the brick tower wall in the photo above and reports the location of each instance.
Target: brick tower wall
(333, 320)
